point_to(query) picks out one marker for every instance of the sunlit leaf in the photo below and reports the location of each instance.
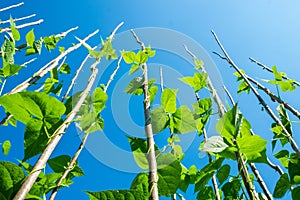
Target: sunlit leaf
(214, 144)
(183, 120)
(128, 56)
(6, 145)
(168, 100)
(30, 37)
(159, 119)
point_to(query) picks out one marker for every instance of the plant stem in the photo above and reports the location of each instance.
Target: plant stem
(260, 99)
(153, 188)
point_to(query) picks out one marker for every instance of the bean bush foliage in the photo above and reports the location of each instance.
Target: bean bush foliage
(44, 105)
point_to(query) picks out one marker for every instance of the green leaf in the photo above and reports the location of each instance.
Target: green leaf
(206, 173)
(140, 185)
(8, 52)
(152, 92)
(99, 98)
(169, 173)
(65, 69)
(10, 70)
(253, 147)
(293, 168)
(159, 119)
(141, 58)
(108, 50)
(139, 148)
(151, 53)
(23, 105)
(50, 42)
(91, 122)
(35, 138)
(223, 173)
(135, 86)
(59, 164)
(296, 193)
(183, 120)
(168, 100)
(6, 145)
(282, 186)
(10, 179)
(134, 67)
(283, 157)
(231, 189)
(96, 54)
(206, 193)
(128, 56)
(199, 64)
(214, 144)
(202, 111)
(30, 37)
(284, 118)
(14, 30)
(197, 82)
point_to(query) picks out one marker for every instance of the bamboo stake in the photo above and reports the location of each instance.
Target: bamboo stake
(12, 6)
(148, 129)
(23, 25)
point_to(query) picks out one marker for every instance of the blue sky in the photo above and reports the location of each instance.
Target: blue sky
(265, 30)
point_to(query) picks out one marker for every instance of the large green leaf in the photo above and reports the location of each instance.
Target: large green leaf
(35, 138)
(283, 157)
(183, 121)
(206, 173)
(282, 186)
(99, 97)
(202, 111)
(197, 82)
(296, 193)
(168, 100)
(59, 165)
(91, 122)
(223, 173)
(141, 57)
(252, 147)
(294, 169)
(128, 56)
(10, 70)
(24, 105)
(159, 119)
(214, 144)
(140, 184)
(169, 173)
(231, 189)
(8, 51)
(30, 37)
(139, 148)
(10, 179)
(206, 193)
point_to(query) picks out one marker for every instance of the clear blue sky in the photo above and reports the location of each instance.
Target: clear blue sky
(266, 30)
